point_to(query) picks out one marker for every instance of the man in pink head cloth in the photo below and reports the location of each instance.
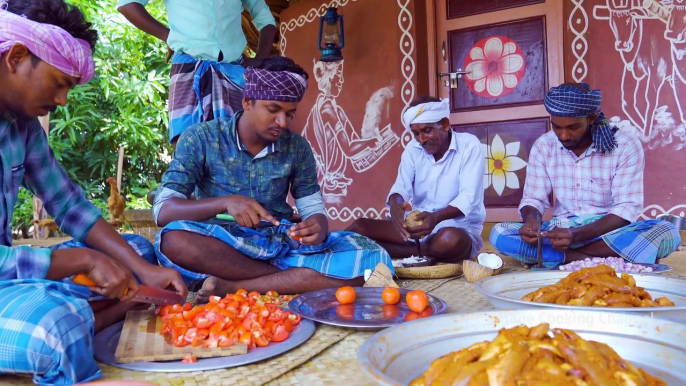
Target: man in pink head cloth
(46, 321)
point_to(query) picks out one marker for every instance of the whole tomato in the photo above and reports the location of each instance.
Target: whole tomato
(390, 295)
(345, 295)
(417, 300)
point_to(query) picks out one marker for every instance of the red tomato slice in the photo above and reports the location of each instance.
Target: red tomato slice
(245, 338)
(295, 319)
(189, 359)
(276, 315)
(280, 334)
(242, 292)
(260, 339)
(225, 342)
(164, 311)
(181, 343)
(288, 325)
(214, 299)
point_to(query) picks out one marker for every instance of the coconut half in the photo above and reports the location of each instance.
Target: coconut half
(490, 260)
(486, 264)
(411, 220)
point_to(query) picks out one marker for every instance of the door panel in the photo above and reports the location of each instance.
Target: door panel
(461, 8)
(506, 147)
(506, 64)
(519, 50)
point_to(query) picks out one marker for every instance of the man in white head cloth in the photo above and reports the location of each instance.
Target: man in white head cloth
(441, 175)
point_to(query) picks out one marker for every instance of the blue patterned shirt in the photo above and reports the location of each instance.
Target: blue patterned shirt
(27, 160)
(210, 159)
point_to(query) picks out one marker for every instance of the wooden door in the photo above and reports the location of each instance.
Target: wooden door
(511, 51)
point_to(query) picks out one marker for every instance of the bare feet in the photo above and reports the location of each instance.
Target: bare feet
(214, 286)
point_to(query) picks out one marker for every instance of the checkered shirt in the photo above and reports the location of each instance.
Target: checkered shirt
(594, 183)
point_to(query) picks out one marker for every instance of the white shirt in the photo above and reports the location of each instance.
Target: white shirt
(455, 180)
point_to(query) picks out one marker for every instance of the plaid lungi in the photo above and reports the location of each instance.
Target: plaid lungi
(639, 242)
(46, 330)
(202, 90)
(343, 255)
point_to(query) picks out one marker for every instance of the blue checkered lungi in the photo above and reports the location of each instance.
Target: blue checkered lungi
(639, 242)
(343, 255)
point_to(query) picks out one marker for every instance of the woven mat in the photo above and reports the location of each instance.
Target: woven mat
(255, 374)
(427, 285)
(337, 365)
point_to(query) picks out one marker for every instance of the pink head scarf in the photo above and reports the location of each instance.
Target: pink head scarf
(49, 43)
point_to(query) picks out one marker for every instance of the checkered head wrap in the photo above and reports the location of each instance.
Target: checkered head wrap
(49, 43)
(571, 101)
(282, 86)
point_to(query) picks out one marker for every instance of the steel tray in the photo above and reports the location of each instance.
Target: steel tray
(106, 345)
(367, 312)
(506, 291)
(397, 355)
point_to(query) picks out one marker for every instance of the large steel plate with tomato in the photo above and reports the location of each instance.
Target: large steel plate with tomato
(398, 355)
(368, 311)
(106, 345)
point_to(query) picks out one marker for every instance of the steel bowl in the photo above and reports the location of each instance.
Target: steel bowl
(678, 222)
(399, 354)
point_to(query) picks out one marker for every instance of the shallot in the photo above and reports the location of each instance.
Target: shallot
(617, 263)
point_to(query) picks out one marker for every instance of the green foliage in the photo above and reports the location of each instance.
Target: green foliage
(124, 105)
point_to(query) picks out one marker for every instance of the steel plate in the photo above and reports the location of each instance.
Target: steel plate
(106, 345)
(506, 291)
(397, 355)
(367, 312)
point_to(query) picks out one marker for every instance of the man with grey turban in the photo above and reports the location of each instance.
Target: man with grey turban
(595, 173)
(245, 166)
(441, 174)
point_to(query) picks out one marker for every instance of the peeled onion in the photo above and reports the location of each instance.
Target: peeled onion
(617, 263)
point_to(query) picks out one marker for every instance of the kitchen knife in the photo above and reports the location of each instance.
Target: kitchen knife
(146, 294)
(419, 248)
(539, 249)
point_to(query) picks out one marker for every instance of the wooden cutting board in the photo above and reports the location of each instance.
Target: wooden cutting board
(141, 341)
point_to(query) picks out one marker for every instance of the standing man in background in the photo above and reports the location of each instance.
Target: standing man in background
(206, 42)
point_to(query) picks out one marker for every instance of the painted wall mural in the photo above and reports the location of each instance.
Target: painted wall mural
(333, 137)
(351, 112)
(634, 51)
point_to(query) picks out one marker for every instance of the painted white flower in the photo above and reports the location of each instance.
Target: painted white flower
(495, 67)
(501, 163)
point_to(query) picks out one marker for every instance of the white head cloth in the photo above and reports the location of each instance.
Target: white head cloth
(430, 112)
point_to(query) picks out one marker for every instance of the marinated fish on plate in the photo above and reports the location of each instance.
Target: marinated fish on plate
(599, 287)
(539, 355)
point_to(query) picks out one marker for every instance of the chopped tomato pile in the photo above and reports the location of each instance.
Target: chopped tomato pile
(248, 318)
